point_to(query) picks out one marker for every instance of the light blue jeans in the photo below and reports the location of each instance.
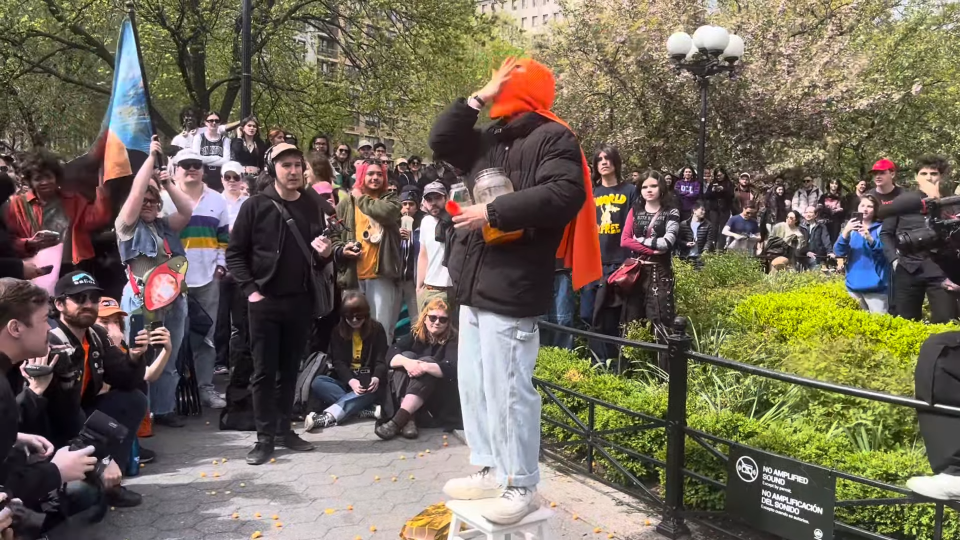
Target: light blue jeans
(874, 302)
(163, 392)
(384, 297)
(204, 351)
(340, 400)
(501, 408)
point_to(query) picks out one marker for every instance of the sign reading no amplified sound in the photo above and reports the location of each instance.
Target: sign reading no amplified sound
(781, 496)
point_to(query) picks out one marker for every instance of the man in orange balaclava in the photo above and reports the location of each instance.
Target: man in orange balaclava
(502, 258)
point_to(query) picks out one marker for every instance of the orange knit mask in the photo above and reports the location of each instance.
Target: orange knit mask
(531, 88)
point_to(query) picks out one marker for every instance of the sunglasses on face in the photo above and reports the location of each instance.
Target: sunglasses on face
(415, 163)
(342, 151)
(191, 165)
(84, 297)
(213, 120)
(150, 202)
(438, 318)
(359, 317)
(231, 178)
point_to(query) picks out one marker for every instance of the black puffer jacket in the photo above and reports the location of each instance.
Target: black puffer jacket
(544, 161)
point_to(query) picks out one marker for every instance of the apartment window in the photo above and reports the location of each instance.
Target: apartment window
(523, 4)
(493, 7)
(326, 47)
(523, 22)
(513, 5)
(534, 3)
(483, 8)
(546, 18)
(533, 21)
(372, 122)
(302, 50)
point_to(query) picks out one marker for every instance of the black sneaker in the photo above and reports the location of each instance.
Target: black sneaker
(260, 454)
(293, 442)
(169, 420)
(122, 497)
(147, 455)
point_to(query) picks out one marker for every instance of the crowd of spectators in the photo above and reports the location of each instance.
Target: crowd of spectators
(177, 276)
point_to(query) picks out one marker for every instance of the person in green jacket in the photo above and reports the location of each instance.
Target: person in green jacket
(371, 215)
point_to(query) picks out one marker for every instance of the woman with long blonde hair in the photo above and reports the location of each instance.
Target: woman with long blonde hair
(423, 382)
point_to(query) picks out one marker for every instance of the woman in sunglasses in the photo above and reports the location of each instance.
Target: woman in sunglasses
(423, 383)
(214, 149)
(358, 350)
(249, 148)
(147, 241)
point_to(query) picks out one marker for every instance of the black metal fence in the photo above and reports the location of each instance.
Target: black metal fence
(669, 499)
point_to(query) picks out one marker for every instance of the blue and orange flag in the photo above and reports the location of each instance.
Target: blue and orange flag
(126, 131)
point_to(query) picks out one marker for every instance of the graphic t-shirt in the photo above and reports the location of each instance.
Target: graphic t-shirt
(369, 252)
(886, 198)
(357, 351)
(613, 204)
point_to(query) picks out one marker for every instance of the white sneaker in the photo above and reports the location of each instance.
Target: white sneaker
(511, 507)
(942, 487)
(211, 399)
(315, 421)
(479, 485)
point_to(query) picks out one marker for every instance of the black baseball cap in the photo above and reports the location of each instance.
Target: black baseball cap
(75, 282)
(410, 193)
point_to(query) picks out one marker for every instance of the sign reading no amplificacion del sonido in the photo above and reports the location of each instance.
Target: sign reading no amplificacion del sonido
(785, 497)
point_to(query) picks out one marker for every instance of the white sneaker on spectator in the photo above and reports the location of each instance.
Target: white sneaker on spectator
(211, 399)
(943, 487)
(317, 420)
(511, 507)
(479, 485)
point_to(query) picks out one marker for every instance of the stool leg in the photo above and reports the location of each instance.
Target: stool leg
(454, 528)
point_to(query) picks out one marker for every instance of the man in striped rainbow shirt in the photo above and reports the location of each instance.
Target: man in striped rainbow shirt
(205, 240)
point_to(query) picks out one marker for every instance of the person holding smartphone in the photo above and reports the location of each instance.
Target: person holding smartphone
(358, 349)
(868, 272)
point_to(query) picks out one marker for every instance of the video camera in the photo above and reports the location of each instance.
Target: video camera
(102, 433)
(27, 524)
(942, 230)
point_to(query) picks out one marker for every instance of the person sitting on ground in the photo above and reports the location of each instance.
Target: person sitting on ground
(358, 350)
(868, 272)
(820, 247)
(424, 374)
(793, 238)
(93, 375)
(114, 321)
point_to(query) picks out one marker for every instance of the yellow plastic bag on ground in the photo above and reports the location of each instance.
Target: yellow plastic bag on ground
(431, 524)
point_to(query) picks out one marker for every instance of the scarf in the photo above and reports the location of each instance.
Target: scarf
(532, 88)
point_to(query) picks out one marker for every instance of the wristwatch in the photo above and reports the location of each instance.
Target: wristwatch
(479, 101)
(492, 218)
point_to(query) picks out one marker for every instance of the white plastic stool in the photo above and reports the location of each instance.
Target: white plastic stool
(532, 527)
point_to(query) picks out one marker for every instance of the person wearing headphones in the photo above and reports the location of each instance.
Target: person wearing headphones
(274, 227)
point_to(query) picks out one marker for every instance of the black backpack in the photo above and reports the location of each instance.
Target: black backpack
(311, 367)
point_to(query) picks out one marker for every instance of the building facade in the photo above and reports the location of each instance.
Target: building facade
(534, 16)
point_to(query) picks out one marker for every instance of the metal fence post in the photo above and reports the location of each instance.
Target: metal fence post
(678, 345)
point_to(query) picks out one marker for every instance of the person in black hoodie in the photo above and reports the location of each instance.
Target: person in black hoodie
(358, 351)
(503, 287)
(280, 296)
(718, 194)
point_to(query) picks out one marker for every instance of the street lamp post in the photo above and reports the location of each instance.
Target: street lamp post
(711, 50)
(245, 52)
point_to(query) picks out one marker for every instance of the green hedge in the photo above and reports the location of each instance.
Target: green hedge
(799, 323)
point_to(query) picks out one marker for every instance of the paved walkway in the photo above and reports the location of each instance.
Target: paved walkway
(352, 486)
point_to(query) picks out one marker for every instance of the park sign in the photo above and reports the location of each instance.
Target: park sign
(782, 496)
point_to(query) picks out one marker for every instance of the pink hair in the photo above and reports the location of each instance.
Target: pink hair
(362, 174)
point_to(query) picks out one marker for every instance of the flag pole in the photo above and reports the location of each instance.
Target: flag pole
(132, 15)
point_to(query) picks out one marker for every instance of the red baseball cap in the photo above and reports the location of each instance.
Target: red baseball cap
(884, 165)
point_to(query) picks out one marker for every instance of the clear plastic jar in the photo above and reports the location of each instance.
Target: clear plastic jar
(460, 194)
(490, 184)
